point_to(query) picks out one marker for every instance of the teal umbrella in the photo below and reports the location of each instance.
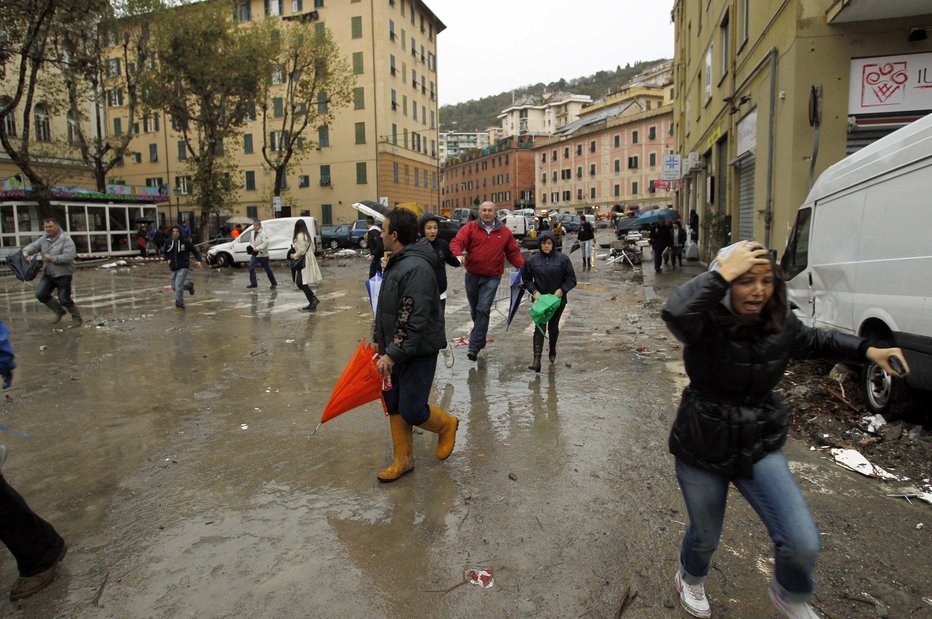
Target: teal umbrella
(544, 308)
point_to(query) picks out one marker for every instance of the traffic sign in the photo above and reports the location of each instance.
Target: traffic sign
(672, 164)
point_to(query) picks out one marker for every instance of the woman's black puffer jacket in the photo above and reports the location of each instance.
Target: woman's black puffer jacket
(729, 417)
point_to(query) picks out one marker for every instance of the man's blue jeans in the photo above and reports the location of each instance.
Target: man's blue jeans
(264, 261)
(480, 292)
(776, 498)
(48, 284)
(179, 285)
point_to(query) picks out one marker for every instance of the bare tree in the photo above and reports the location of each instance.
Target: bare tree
(206, 76)
(309, 81)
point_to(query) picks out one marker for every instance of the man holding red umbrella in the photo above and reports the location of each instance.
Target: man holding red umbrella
(409, 332)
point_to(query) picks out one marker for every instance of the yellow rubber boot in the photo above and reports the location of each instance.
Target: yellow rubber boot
(402, 443)
(445, 426)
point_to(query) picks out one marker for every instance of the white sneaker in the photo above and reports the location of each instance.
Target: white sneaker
(447, 356)
(793, 610)
(693, 598)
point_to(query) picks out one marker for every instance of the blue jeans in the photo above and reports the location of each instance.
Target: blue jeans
(179, 285)
(776, 498)
(49, 284)
(264, 261)
(480, 292)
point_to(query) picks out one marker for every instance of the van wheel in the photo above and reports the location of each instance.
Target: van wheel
(363, 243)
(883, 393)
(224, 260)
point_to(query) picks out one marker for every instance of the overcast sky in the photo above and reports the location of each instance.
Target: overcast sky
(490, 46)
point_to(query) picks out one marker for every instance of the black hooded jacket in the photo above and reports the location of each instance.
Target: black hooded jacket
(729, 417)
(408, 321)
(544, 273)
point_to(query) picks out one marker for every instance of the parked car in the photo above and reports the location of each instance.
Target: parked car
(448, 229)
(358, 233)
(858, 257)
(463, 216)
(280, 231)
(337, 236)
(570, 222)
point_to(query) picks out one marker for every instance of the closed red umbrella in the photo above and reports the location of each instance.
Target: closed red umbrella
(360, 383)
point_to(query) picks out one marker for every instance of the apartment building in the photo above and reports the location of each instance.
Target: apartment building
(541, 114)
(502, 173)
(611, 158)
(383, 147)
(455, 143)
(769, 94)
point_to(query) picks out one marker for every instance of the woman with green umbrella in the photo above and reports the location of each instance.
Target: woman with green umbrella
(548, 272)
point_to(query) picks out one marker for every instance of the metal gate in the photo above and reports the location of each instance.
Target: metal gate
(745, 169)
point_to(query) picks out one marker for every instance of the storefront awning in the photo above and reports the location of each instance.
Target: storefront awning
(843, 11)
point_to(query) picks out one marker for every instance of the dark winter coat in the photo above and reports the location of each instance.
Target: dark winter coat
(586, 233)
(408, 321)
(178, 253)
(374, 243)
(729, 417)
(661, 237)
(444, 257)
(545, 273)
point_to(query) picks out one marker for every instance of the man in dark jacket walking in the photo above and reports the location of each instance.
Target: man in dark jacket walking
(178, 252)
(485, 242)
(409, 332)
(660, 239)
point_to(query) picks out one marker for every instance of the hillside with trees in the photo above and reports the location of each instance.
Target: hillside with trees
(479, 114)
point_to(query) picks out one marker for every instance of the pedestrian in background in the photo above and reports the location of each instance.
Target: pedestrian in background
(679, 242)
(586, 238)
(739, 335)
(375, 245)
(409, 331)
(260, 256)
(178, 252)
(185, 230)
(430, 228)
(33, 542)
(694, 225)
(304, 269)
(558, 233)
(661, 238)
(58, 255)
(485, 241)
(142, 241)
(158, 239)
(548, 272)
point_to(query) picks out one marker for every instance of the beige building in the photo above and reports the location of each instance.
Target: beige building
(382, 147)
(611, 158)
(769, 94)
(455, 143)
(541, 114)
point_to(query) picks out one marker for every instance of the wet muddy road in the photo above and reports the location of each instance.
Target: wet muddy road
(176, 453)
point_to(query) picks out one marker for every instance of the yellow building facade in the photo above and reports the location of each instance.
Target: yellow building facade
(769, 94)
(391, 125)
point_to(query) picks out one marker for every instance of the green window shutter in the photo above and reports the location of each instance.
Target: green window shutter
(359, 98)
(361, 173)
(356, 24)
(357, 63)
(361, 133)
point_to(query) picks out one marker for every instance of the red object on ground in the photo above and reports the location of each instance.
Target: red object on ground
(359, 383)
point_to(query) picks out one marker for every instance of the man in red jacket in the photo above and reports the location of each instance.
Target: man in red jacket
(486, 243)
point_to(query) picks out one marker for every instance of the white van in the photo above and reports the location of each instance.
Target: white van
(859, 257)
(280, 232)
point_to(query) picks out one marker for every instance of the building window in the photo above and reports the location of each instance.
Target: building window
(395, 171)
(326, 214)
(182, 150)
(708, 74)
(278, 107)
(591, 169)
(137, 157)
(361, 133)
(617, 141)
(183, 185)
(579, 171)
(618, 165)
(592, 146)
(243, 12)
(11, 124)
(323, 136)
(632, 162)
(592, 192)
(745, 9)
(356, 27)
(153, 152)
(273, 7)
(634, 188)
(276, 141)
(359, 98)
(72, 128)
(653, 159)
(617, 190)
(325, 175)
(634, 137)
(250, 180)
(43, 124)
(417, 175)
(566, 152)
(361, 173)
(247, 144)
(322, 100)
(394, 133)
(724, 30)
(304, 180)
(579, 149)
(357, 63)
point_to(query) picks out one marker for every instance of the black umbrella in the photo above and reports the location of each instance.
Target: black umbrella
(24, 268)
